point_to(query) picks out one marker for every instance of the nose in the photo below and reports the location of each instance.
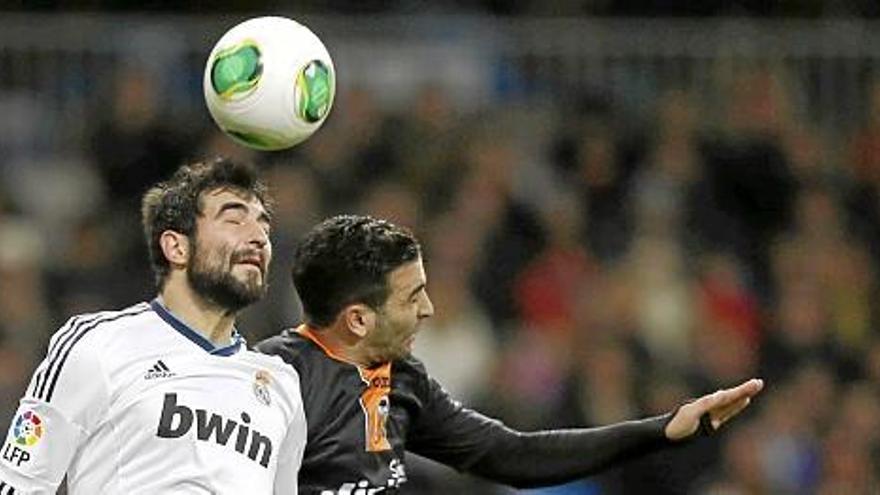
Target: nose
(258, 237)
(426, 309)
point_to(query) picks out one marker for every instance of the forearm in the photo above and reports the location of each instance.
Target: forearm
(557, 456)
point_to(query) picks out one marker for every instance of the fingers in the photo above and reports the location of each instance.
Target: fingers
(724, 414)
(725, 401)
(718, 399)
(736, 409)
(728, 396)
(749, 388)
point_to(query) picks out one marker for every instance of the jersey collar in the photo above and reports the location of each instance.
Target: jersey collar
(309, 333)
(237, 340)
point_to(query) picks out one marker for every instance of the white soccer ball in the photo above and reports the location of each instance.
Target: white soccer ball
(269, 83)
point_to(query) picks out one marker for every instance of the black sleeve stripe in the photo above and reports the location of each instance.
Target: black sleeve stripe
(53, 351)
(58, 342)
(64, 335)
(55, 367)
(6, 489)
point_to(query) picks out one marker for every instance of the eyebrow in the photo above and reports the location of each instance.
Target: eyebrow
(240, 206)
(416, 290)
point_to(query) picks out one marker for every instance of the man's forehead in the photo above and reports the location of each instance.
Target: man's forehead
(407, 275)
(215, 198)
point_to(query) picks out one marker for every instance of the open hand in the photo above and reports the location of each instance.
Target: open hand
(720, 406)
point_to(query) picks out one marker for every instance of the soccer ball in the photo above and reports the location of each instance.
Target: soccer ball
(269, 83)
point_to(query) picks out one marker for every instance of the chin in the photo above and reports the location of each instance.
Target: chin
(251, 275)
(252, 283)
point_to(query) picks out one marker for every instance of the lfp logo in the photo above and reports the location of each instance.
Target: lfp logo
(28, 428)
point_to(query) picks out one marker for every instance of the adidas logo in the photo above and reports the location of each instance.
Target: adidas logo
(159, 370)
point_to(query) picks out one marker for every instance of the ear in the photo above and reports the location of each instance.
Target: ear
(175, 247)
(359, 319)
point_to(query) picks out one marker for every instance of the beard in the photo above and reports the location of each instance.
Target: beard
(220, 287)
(388, 340)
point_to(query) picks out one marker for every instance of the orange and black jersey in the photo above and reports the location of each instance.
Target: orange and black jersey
(362, 421)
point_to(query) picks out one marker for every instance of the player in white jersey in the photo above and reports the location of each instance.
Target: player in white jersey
(163, 397)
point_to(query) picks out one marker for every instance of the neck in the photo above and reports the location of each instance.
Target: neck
(342, 344)
(209, 320)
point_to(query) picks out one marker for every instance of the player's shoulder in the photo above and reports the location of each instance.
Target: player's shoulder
(316, 368)
(412, 365)
(78, 351)
(93, 329)
(273, 372)
(269, 362)
(288, 345)
(409, 373)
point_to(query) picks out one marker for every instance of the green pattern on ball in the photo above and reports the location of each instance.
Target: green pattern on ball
(315, 83)
(260, 142)
(236, 70)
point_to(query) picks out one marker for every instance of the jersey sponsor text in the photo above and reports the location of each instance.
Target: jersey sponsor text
(176, 421)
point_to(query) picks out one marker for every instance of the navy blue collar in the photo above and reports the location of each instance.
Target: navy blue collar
(194, 336)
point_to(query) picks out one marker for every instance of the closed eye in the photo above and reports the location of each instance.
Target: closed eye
(414, 295)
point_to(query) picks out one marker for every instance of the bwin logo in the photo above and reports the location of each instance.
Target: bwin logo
(176, 421)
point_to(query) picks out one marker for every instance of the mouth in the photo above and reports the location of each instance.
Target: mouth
(253, 261)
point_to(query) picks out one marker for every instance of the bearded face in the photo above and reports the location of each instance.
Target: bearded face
(230, 252)
(399, 319)
(230, 279)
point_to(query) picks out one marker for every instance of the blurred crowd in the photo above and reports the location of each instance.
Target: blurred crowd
(589, 262)
(642, 8)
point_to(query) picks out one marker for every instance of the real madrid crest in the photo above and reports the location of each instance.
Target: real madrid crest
(261, 387)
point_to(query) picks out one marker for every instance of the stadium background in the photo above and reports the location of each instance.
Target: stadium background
(623, 204)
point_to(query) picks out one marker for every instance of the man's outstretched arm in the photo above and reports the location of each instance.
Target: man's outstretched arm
(471, 442)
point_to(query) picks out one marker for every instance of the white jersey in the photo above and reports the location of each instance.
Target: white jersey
(135, 402)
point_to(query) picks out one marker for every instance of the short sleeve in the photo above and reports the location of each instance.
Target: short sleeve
(64, 401)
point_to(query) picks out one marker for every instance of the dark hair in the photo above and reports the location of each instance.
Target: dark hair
(346, 259)
(175, 204)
